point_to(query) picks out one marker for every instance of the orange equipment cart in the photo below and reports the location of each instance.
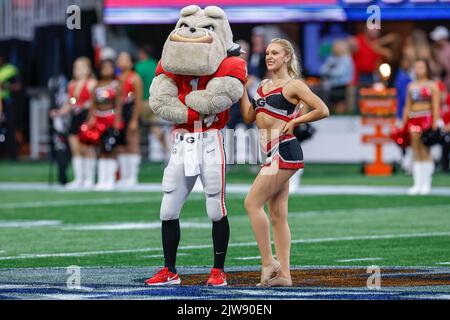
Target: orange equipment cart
(378, 108)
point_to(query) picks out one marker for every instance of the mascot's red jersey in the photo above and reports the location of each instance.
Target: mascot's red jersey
(230, 67)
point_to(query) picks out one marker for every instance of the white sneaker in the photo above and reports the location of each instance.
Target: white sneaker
(104, 187)
(99, 187)
(126, 183)
(425, 190)
(415, 190)
(88, 184)
(74, 185)
(122, 183)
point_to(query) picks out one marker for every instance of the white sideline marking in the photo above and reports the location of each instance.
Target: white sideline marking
(242, 188)
(93, 202)
(29, 224)
(432, 297)
(359, 259)
(245, 244)
(162, 256)
(443, 263)
(374, 237)
(134, 226)
(248, 258)
(390, 210)
(15, 286)
(309, 294)
(72, 296)
(357, 211)
(81, 202)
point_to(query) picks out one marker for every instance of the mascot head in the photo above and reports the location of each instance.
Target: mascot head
(199, 43)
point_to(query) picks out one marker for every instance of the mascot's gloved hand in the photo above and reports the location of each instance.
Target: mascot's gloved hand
(219, 95)
(209, 120)
(165, 102)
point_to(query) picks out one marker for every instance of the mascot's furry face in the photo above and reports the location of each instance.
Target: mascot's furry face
(199, 42)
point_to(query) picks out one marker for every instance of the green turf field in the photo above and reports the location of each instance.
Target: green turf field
(122, 229)
(326, 230)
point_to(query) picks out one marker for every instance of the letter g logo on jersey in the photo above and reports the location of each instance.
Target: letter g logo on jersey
(261, 102)
(190, 140)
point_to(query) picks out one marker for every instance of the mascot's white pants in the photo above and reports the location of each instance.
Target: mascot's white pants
(195, 155)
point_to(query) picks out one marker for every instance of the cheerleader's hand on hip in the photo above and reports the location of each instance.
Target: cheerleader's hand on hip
(289, 127)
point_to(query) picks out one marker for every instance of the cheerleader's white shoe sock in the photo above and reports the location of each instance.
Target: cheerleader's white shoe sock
(134, 160)
(77, 165)
(124, 168)
(417, 178)
(89, 172)
(102, 183)
(110, 179)
(428, 169)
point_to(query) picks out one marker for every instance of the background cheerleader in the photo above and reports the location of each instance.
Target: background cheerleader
(80, 90)
(421, 112)
(129, 152)
(104, 124)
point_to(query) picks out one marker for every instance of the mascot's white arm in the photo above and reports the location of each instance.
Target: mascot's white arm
(220, 94)
(164, 100)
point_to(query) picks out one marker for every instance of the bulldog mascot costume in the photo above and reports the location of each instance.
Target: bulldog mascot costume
(197, 80)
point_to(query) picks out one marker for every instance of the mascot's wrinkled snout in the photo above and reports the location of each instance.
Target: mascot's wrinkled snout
(199, 42)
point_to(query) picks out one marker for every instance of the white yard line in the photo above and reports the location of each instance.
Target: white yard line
(248, 258)
(133, 226)
(66, 296)
(162, 255)
(80, 202)
(29, 223)
(97, 226)
(375, 237)
(359, 259)
(245, 244)
(92, 202)
(243, 188)
(313, 213)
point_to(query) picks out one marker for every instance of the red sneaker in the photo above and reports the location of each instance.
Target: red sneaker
(164, 278)
(217, 278)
